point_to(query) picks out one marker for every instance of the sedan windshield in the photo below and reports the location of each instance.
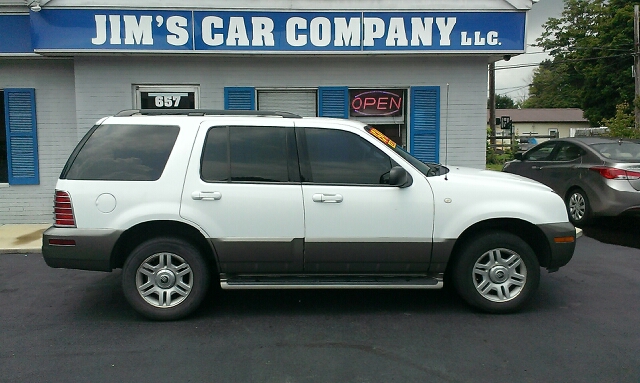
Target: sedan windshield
(623, 151)
(426, 168)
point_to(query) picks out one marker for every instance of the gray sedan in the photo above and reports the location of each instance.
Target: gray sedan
(596, 176)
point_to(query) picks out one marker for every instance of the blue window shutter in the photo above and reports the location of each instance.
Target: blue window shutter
(333, 102)
(22, 139)
(239, 98)
(425, 123)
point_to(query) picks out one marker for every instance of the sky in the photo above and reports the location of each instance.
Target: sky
(513, 82)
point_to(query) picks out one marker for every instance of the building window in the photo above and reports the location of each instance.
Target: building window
(166, 97)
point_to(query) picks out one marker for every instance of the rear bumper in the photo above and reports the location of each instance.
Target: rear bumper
(613, 198)
(85, 249)
(561, 245)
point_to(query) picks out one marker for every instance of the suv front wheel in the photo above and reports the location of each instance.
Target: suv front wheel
(496, 272)
(165, 278)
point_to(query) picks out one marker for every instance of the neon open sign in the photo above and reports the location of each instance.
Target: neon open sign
(376, 103)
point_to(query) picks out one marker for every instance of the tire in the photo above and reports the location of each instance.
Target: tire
(496, 272)
(165, 278)
(578, 207)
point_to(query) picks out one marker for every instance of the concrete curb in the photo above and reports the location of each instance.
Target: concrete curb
(22, 238)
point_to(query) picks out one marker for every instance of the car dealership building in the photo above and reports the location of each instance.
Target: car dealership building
(416, 70)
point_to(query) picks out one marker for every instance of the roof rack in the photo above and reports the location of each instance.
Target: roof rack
(203, 112)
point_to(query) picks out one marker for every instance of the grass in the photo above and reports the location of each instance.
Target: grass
(496, 167)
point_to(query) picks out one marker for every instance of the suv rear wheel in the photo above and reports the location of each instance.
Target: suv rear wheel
(496, 272)
(165, 278)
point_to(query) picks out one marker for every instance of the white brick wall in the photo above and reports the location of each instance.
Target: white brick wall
(55, 114)
(114, 77)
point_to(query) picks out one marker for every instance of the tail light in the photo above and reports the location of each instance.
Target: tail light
(63, 210)
(616, 174)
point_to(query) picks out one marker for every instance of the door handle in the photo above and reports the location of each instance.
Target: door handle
(536, 167)
(328, 198)
(206, 195)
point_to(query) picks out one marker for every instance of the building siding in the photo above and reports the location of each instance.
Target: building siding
(115, 77)
(53, 81)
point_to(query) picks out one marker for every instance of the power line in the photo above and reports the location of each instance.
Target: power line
(516, 66)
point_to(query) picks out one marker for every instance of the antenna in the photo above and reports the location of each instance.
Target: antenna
(446, 130)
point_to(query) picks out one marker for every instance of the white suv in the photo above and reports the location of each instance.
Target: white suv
(271, 200)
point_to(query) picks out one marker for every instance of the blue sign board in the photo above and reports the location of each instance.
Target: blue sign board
(15, 34)
(277, 32)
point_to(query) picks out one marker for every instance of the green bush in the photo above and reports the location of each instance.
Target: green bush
(495, 157)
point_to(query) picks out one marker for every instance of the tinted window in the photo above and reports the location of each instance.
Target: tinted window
(541, 152)
(622, 151)
(255, 154)
(215, 158)
(338, 157)
(124, 153)
(568, 152)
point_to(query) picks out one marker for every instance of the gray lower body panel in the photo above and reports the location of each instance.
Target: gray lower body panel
(367, 257)
(91, 249)
(561, 252)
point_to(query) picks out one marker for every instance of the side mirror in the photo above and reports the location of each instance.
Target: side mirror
(399, 177)
(518, 156)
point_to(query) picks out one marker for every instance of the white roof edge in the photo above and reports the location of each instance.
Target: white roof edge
(310, 5)
(521, 4)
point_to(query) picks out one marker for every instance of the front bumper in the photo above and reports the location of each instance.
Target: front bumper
(561, 238)
(85, 249)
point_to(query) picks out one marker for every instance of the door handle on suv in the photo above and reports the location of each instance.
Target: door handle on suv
(534, 167)
(206, 195)
(329, 198)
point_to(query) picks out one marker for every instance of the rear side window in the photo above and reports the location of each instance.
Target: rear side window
(122, 153)
(249, 154)
(619, 151)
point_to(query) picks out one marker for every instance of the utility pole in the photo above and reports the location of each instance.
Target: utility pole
(636, 61)
(492, 101)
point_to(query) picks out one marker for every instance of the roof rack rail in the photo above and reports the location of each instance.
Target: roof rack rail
(203, 112)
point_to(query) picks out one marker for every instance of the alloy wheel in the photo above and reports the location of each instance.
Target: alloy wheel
(164, 280)
(499, 275)
(577, 206)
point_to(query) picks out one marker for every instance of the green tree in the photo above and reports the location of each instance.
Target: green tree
(504, 102)
(552, 87)
(622, 124)
(591, 46)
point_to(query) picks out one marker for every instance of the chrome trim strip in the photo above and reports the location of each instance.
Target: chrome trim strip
(319, 286)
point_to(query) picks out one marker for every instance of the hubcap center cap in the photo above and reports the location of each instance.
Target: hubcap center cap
(499, 274)
(165, 279)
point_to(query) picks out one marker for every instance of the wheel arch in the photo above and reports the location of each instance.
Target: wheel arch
(570, 190)
(528, 232)
(141, 232)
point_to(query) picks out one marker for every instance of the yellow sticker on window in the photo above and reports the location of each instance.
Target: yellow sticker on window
(379, 135)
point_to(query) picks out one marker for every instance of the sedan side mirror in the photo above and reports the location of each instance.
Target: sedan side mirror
(518, 156)
(400, 177)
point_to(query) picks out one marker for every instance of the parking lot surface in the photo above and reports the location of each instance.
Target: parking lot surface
(68, 325)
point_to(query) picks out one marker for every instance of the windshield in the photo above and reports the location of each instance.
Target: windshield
(428, 169)
(623, 151)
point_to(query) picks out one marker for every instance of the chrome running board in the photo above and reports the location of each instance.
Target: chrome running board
(248, 282)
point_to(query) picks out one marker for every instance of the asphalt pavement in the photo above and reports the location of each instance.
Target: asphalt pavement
(60, 325)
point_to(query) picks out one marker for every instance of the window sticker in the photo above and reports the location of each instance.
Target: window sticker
(378, 134)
